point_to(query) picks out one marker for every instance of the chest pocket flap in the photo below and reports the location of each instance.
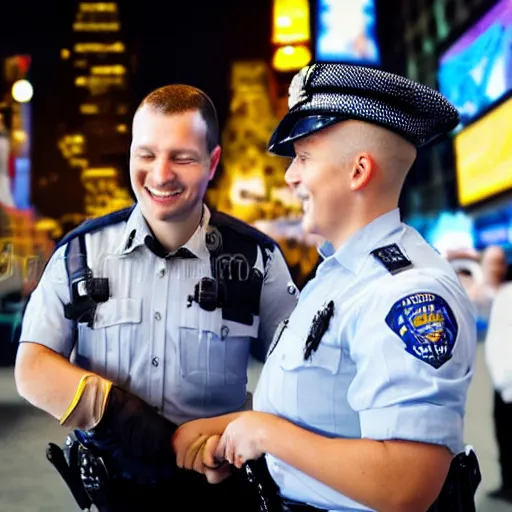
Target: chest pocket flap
(118, 311)
(326, 357)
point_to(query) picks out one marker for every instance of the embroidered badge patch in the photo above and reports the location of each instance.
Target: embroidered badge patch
(427, 326)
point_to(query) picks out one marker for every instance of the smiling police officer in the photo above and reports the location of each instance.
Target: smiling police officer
(360, 405)
(160, 306)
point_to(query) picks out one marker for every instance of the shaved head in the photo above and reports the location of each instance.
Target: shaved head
(392, 154)
(347, 175)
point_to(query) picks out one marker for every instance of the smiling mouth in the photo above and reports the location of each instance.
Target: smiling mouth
(304, 200)
(163, 194)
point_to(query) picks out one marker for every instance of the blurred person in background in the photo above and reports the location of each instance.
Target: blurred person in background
(465, 262)
(5, 150)
(498, 352)
(493, 263)
(481, 275)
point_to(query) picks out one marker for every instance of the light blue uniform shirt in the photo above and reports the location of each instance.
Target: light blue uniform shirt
(394, 363)
(185, 361)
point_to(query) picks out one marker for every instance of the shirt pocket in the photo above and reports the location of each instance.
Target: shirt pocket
(311, 384)
(214, 352)
(107, 347)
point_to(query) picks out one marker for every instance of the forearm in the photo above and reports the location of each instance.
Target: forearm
(46, 379)
(390, 476)
(217, 424)
(80, 399)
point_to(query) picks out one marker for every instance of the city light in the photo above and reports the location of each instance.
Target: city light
(117, 47)
(291, 58)
(22, 91)
(290, 22)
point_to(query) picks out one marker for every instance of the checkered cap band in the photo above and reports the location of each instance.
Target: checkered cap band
(415, 111)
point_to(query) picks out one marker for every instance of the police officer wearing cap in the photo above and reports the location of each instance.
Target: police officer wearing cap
(158, 307)
(360, 404)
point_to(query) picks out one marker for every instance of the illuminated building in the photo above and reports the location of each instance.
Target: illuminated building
(252, 185)
(95, 141)
(428, 28)
(22, 253)
(456, 176)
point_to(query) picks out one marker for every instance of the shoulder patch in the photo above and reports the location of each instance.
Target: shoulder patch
(426, 324)
(392, 257)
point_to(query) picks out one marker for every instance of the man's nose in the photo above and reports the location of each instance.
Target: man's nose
(163, 171)
(292, 176)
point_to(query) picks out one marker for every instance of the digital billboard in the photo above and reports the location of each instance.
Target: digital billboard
(476, 70)
(494, 227)
(346, 32)
(483, 156)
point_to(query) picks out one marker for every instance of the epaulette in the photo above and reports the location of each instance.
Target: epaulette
(93, 225)
(223, 220)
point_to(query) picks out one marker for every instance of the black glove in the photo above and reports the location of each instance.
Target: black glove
(144, 434)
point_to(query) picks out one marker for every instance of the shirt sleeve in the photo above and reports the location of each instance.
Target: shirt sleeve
(498, 343)
(414, 347)
(44, 321)
(279, 296)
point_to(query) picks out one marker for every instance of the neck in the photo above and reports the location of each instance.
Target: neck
(357, 220)
(174, 234)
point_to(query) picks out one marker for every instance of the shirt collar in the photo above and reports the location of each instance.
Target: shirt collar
(137, 229)
(135, 232)
(354, 252)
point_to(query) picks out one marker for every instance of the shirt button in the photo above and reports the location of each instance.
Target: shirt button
(161, 272)
(158, 316)
(155, 361)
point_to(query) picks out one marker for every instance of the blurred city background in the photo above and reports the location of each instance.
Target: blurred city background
(72, 74)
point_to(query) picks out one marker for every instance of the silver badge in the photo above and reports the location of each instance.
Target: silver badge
(297, 89)
(213, 239)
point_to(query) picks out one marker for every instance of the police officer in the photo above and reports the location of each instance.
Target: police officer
(360, 404)
(145, 319)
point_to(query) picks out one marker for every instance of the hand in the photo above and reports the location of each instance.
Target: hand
(195, 446)
(214, 470)
(200, 457)
(243, 438)
(188, 440)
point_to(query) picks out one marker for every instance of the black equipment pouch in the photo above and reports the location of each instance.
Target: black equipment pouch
(85, 290)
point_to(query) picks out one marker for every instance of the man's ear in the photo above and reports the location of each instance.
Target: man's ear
(362, 172)
(214, 161)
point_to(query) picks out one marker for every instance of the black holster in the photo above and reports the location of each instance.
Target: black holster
(263, 485)
(458, 492)
(84, 473)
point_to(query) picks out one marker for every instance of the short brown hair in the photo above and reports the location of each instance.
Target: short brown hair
(178, 98)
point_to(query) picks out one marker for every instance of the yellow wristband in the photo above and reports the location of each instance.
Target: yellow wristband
(88, 405)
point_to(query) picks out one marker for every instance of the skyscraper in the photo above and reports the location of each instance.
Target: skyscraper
(94, 137)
